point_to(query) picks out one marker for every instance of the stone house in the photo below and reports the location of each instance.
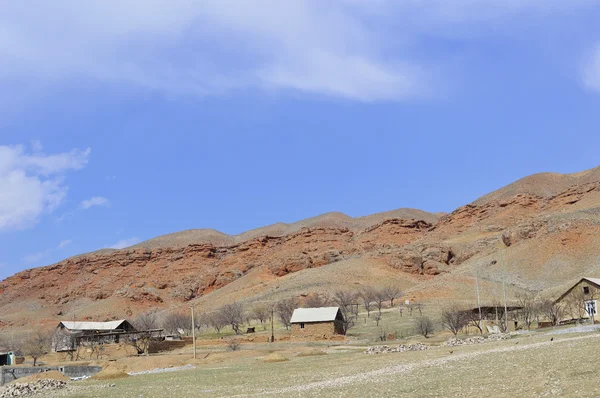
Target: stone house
(581, 300)
(322, 322)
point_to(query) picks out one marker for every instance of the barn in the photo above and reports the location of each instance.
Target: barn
(581, 300)
(322, 322)
(70, 334)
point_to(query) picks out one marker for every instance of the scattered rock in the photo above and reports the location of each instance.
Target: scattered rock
(384, 349)
(24, 389)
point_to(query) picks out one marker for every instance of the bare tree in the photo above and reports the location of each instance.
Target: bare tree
(177, 322)
(474, 319)
(382, 334)
(377, 318)
(285, 308)
(367, 296)
(552, 310)
(346, 301)
(233, 344)
(146, 321)
(140, 341)
(419, 307)
(379, 298)
(424, 326)
(316, 300)
(529, 308)
(233, 315)
(262, 312)
(391, 293)
(37, 344)
(575, 304)
(215, 320)
(454, 318)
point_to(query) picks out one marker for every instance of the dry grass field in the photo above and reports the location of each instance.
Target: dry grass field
(524, 366)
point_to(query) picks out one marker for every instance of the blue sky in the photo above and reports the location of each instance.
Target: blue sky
(124, 120)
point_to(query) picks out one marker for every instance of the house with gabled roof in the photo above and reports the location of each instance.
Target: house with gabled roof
(581, 300)
(321, 322)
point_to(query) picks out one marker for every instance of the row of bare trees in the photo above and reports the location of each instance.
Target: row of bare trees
(35, 344)
(532, 308)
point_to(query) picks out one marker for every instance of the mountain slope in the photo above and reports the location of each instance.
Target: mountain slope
(551, 221)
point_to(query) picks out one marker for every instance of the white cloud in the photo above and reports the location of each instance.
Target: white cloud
(94, 201)
(358, 49)
(123, 243)
(591, 70)
(64, 243)
(33, 184)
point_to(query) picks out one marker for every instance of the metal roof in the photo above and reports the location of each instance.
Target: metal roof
(321, 314)
(111, 325)
(593, 280)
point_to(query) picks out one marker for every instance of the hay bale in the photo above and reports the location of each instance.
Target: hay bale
(111, 372)
(274, 357)
(311, 353)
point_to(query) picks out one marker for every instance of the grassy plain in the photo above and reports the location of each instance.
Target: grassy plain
(529, 365)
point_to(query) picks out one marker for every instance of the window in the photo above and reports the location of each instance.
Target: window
(302, 326)
(591, 308)
(586, 290)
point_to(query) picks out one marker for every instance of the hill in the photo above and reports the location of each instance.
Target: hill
(551, 221)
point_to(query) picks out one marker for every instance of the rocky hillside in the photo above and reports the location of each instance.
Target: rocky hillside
(550, 221)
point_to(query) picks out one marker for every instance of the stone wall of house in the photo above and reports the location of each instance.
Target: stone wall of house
(315, 330)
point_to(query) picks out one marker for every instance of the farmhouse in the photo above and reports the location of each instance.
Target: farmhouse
(70, 334)
(322, 322)
(581, 300)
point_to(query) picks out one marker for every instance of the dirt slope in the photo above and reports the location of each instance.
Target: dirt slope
(551, 221)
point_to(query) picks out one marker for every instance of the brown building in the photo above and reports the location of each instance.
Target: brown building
(322, 322)
(581, 300)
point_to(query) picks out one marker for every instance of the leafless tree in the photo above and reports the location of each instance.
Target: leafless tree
(454, 318)
(474, 319)
(346, 301)
(529, 308)
(140, 341)
(367, 296)
(391, 293)
(316, 300)
(233, 344)
(262, 312)
(146, 321)
(424, 326)
(215, 320)
(377, 318)
(379, 297)
(233, 315)
(419, 307)
(285, 308)
(551, 310)
(382, 334)
(36, 344)
(176, 322)
(575, 304)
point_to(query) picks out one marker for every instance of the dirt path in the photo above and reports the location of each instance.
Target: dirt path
(377, 375)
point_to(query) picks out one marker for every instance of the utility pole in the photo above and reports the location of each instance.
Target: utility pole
(478, 300)
(506, 243)
(193, 330)
(272, 326)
